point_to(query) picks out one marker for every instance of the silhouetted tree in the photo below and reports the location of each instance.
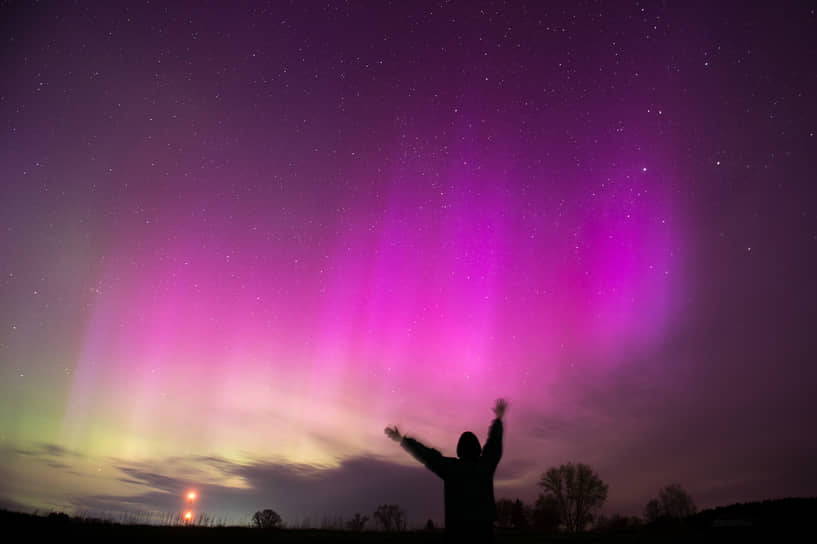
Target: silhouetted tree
(676, 502)
(652, 512)
(545, 514)
(577, 490)
(504, 513)
(519, 515)
(266, 519)
(357, 522)
(673, 502)
(390, 517)
(430, 525)
(511, 514)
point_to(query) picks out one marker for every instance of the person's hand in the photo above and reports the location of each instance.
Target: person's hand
(500, 407)
(393, 433)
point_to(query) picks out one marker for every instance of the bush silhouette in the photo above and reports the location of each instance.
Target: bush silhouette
(58, 518)
(545, 514)
(512, 514)
(357, 522)
(504, 513)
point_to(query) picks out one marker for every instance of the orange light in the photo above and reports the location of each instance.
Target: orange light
(189, 515)
(191, 496)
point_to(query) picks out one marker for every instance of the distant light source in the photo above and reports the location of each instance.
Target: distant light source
(191, 496)
(189, 515)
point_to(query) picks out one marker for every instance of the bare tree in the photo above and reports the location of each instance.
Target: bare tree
(390, 517)
(266, 519)
(673, 502)
(357, 522)
(577, 490)
(652, 512)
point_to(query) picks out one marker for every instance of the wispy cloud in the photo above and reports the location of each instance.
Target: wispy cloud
(294, 490)
(47, 450)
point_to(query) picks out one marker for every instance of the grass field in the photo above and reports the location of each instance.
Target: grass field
(42, 528)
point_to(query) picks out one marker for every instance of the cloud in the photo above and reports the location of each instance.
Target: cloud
(152, 479)
(295, 491)
(44, 454)
(45, 450)
(55, 450)
(515, 468)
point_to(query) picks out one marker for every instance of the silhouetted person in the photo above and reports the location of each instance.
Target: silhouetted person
(470, 510)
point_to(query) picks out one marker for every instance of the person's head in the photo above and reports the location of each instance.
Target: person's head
(468, 447)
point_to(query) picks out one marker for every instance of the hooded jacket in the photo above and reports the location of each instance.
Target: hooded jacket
(468, 483)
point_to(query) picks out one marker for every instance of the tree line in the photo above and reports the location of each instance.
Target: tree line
(570, 499)
(387, 517)
(572, 494)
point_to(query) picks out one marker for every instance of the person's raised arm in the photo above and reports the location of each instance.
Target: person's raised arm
(430, 457)
(493, 446)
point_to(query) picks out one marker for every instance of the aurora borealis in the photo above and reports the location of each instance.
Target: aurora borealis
(237, 242)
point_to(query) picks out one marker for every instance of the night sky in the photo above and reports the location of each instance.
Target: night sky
(237, 242)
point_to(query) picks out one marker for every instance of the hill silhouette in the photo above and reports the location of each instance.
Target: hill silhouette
(775, 514)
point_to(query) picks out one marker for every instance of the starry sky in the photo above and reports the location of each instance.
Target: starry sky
(236, 242)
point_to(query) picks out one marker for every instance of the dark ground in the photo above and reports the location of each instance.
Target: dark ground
(62, 528)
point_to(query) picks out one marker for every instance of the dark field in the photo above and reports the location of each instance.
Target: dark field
(63, 529)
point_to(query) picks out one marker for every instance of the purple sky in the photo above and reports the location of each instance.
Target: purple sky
(237, 242)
